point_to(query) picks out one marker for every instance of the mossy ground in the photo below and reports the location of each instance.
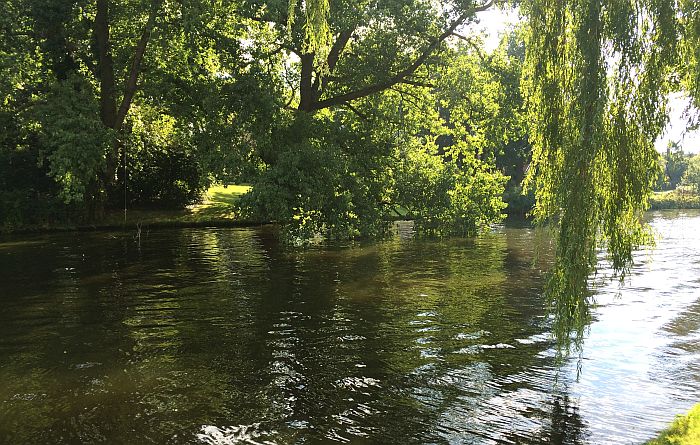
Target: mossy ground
(685, 430)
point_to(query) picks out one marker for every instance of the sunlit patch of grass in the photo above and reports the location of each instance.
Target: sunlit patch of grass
(218, 207)
(220, 201)
(685, 430)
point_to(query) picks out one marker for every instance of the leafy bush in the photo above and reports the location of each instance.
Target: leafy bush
(446, 198)
(162, 170)
(518, 204)
(72, 137)
(314, 188)
(685, 430)
(164, 177)
(343, 181)
(28, 195)
(675, 199)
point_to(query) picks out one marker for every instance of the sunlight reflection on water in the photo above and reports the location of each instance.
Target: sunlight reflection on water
(223, 336)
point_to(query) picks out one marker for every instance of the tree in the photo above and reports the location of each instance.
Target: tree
(78, 104)
(73, 90)
(362, 114)
(597, 76)
(370, 49)
(675, 164)
(692, 174)
(113, 113)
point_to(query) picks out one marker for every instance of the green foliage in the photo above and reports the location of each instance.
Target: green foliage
(317, 34)
(321, 184)
(689, 48)
(337, 183)
(345, 171)
(675, 199)
(662, 181)
(73, 138)
(162, 170)
(213, 101)
(596, 79)
(447, 198)
(685, 430)
(518, 202)
(164, 177)
(481, 96)
(692, 174)
(675, 164)
(514, 153)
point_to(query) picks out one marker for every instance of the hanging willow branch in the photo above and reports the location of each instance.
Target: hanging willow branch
(317, 34)
(596, 79)
(690, 49)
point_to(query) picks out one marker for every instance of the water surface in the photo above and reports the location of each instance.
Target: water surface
(222, 336)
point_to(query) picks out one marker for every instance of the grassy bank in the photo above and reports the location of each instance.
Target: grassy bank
(680, 198)
(685, 430)
(216, 209)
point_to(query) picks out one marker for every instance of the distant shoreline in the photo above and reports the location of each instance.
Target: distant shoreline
(674, 199)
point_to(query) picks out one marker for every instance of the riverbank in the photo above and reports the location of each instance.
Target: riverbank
(675, 199)
(216, 209)
(685, 430)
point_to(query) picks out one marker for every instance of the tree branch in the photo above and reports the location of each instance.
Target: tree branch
(474, 46)
(321, 80)
(307, 92)
(105, 64)
(417, 83)
(135, 70)
(359, 114)
(338, 47)
(402, 92)
(403, 74)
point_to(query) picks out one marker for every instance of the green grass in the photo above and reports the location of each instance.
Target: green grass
(217, 208)
(680, 198)
(219, 201)
(685, 430)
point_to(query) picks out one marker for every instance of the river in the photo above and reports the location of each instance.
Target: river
(223, 336)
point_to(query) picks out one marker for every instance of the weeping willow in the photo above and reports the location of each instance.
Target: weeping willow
(690, 49)
(317, 35)
(597, 76)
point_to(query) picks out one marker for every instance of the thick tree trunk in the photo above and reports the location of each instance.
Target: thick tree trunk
(306, 87)
(108, 106)
(112, 116)
(105, 65)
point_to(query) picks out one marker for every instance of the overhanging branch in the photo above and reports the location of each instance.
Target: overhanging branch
(135, 70)
(403, 74)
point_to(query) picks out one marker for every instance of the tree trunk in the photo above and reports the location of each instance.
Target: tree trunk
(306, 88)
(112, 116)
(108, 103)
